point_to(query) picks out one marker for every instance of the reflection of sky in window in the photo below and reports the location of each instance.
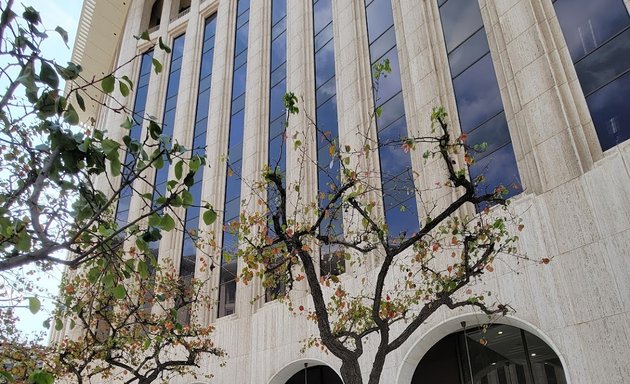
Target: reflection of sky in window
(597, 35)
(498, 168)
(326, 113)
(389, 84)
(170, 107)
(609, 61)
(610, 111)
(587, 24)
(139, 105)
(479, 104)
(401, 214)
(477, 94)
(168, 122)
(199, 143)
(227, 274)
(276, 148)
(460, 18)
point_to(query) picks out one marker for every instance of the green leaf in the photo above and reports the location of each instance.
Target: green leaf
(179, 170)
(80, 101)
(154, 220)
(187, 199)
(143, 270)
(7, 375)
(119, 292)
(108, 83)
(124, 89)
(209, 216)
(194, 164)
(159, 162)
(128, 80)
(155, 130)
(145, 36)
(71, 116)
(70, 72)
(48, 75)
(167, 223)
(157, 66)
(34, 305)
(41, 377)
(163, 46)
(58, 324)
(24, 242)
(93, 274)
(31, 15)
(128, 123)
(109, 146)
(115, 165)
(64, 35)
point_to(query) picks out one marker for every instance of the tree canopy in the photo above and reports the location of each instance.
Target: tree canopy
(62, 181)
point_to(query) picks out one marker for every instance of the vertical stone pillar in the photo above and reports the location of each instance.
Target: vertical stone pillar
(551, 143)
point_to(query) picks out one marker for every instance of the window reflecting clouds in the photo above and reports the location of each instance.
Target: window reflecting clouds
(401, 212)
(189, 250)
(329, 171)
(479, 104)
(231, 206)
(597, 35)
(139, 105)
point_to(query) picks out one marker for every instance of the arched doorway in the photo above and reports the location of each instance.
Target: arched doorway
(496, 354)
(320, 374)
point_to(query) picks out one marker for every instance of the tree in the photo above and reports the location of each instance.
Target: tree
(413, 275)
(61, 184)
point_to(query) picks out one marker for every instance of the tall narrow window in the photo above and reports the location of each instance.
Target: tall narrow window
(597, 35)
(139, 105)
(399, 193)
(277, 150)
(481, 114)
(168, 122)
(277, 115)
(188, 259)
(227, 275)
(328, 168)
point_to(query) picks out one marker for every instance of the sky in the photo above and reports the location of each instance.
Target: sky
(66, 14)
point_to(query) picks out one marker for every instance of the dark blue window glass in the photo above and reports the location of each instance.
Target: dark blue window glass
(139, 105)
(202, 108)
(227, 274)
(276, 141)
(277, 149)
(168, 122)
(399, 197)
(138, 115)
(477, 95)
(328, 167)
(597, 35)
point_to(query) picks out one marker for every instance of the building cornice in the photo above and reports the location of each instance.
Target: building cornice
(95, 47)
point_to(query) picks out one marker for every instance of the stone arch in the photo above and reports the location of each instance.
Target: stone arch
(151, 15)
(453, 325)
(286, 372)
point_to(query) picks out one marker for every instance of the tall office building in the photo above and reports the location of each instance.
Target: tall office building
(545, 83)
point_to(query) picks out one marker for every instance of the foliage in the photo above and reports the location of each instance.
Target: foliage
(61, 182)
(395, 281)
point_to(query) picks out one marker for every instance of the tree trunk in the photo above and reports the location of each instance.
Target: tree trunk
(351, 372)
(377, 367)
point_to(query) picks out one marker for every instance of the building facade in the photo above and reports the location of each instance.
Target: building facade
(544, 83)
